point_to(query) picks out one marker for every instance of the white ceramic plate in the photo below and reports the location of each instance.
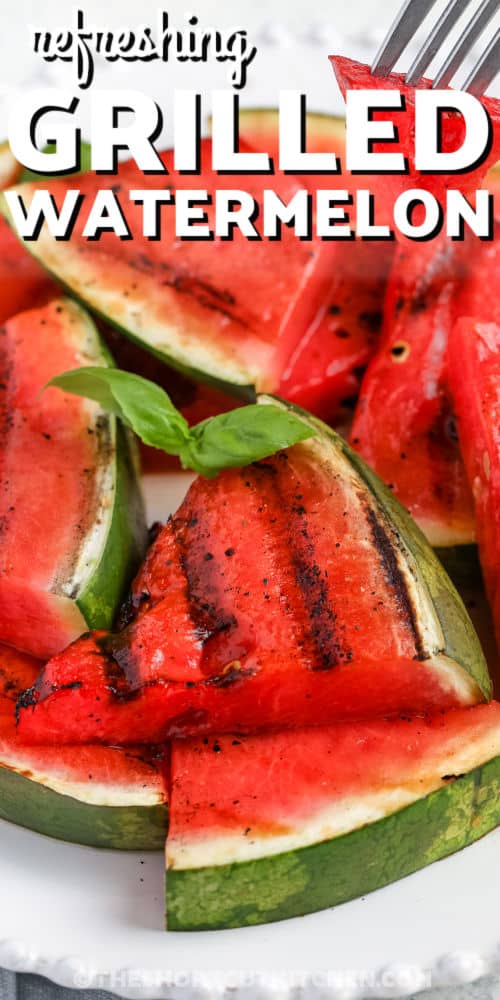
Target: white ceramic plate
(90, 918)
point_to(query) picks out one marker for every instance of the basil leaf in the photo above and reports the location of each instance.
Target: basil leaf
(139, 403)
(226, 441)
(242, 436)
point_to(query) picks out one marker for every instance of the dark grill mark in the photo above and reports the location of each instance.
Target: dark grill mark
(122, 671)
(208, 620)
(321, 624)
(205, 294)
(395, 579)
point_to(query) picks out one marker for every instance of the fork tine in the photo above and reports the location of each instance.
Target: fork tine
(449, 17)
(486, 69)
(474, 30)
(400, 34)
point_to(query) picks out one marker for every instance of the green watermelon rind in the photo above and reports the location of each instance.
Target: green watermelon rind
(35, 806)
(334, 871)
(125, 542)
(120, 527)
(459, 646)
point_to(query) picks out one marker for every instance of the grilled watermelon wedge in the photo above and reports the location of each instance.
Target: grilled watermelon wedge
(279, 825)
(94, 795)
(71, 512)
(324, 372)
(295, 591)
(352, 75)
(199, 307)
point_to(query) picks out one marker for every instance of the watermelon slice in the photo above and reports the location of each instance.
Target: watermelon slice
(278, 825)
(98, 796)
(293, 592)
(10, 169)
(69, 493)
(199, 307)
(403, 425)
(323, 374)
(353, 75)
(474, 374)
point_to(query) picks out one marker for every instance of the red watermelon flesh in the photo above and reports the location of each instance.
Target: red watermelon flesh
(23, 283)
(324, 372)
(474, 375)
(270, 599)
(197, 303)
(236, 799)
(352, 75)
(46, 459)
(403, 424)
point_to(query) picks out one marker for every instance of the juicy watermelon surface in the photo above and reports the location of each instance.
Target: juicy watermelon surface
(289, 786)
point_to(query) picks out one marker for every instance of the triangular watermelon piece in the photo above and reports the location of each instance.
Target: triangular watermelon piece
(295, 591)
(352, 75)
(279, 825)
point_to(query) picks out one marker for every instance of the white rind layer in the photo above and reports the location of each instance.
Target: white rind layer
(342, 816)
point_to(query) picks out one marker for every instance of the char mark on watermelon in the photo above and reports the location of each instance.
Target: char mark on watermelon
(265, 577)
(101, 796)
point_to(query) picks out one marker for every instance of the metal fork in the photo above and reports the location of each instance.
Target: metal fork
(410, 18)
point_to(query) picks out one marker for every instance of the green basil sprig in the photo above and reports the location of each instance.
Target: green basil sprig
(228, 440)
